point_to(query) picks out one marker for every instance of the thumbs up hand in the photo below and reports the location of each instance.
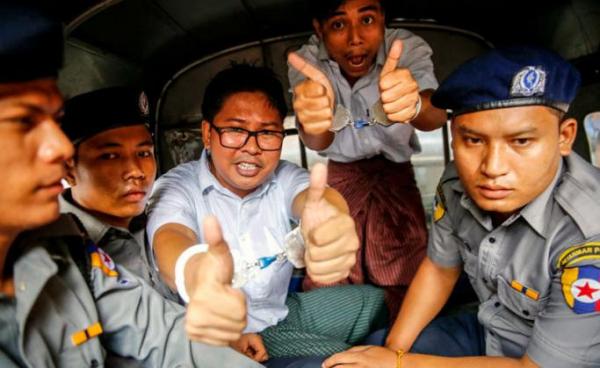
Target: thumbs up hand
(329, 233)
(399, 90)
(313, 98)
(216, 313)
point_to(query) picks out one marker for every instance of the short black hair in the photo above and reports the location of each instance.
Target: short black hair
(242, 78)
(322, 10)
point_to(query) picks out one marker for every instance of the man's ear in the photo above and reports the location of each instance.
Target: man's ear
(70, 178)
(452, 132)
(206, 134)
(318, 28)
(567, 133)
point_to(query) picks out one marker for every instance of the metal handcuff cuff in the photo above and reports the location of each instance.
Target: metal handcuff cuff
(375, 116)
(245, 270)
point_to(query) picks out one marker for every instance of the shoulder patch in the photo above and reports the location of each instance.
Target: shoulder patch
(581, 289)
(100, 259)
(439, 209)
(578, 253)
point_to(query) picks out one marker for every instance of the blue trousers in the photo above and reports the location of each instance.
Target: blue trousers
(453, 336)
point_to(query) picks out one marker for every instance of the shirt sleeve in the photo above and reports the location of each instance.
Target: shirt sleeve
(172, 201)
(567, 330)
(443, 245)
(138, 323)
(416, 56)
(293, 180)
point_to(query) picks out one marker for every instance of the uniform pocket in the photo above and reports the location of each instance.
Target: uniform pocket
(518, 302)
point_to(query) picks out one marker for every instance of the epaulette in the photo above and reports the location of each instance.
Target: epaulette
(579, 194)
(67, 225)
(67, 229)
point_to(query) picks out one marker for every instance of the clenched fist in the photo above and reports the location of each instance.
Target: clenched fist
(399, 90)
(314, 98)
(216, 313)
(329, 234)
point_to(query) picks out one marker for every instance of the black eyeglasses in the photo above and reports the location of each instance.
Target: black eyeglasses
(234, 137)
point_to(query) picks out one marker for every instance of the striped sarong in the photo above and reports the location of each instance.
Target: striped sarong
(386, 205)
(326, 321)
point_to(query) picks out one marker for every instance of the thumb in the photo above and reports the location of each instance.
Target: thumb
(218, 249)
(311, 72)
(391, 63)
(212, 231)
(318, 183)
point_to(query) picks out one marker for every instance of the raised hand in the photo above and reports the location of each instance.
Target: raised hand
(399, 90)
(216, 313)
(329, 234)
(313, 98)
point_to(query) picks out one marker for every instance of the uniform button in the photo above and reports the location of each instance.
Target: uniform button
(492, 333)
(526, 312)
(492, 240)
(94, 363)
(497, 304)
(484, 280)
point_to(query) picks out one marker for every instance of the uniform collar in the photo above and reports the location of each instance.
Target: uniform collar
(322, 54)
(209, 182)
(537, 213)
(95, 228)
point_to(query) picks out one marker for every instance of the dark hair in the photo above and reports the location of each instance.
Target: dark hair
(242, 78)
(322, 10)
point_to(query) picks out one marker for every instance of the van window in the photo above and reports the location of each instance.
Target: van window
(592, 130)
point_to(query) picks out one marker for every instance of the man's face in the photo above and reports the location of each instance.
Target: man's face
(242, 170)
(113, 174)
(34, 150)
(353, 36)
(507, 157)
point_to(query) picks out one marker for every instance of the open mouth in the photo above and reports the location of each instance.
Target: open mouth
(357, 62)
(247, 168)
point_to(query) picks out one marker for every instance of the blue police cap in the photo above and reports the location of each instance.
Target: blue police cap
(31, 41)
(509, 77)
(94, 112)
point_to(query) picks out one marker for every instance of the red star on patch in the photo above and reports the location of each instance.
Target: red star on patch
(586, 290)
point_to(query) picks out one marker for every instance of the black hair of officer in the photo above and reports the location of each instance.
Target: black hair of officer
(242, 78)
(321, 10)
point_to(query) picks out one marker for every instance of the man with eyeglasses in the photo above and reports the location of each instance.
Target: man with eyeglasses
(241, 180)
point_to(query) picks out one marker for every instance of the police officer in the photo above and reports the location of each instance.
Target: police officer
(63, 302)
(112, 173)
(517, 210)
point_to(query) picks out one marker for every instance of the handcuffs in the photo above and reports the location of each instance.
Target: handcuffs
(245, 270)
(375, 116)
